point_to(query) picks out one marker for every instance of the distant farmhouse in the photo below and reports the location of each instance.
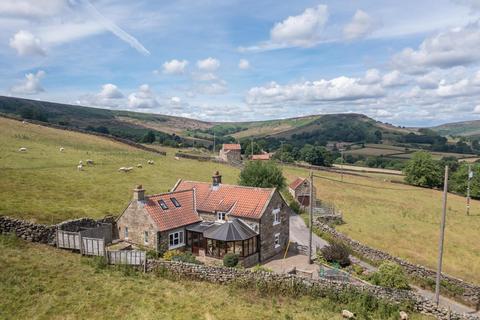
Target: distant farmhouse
(209, 220)
(300, 190)
(231, 153)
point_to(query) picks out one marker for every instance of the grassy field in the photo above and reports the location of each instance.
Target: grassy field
(40, 282)
(44, 185)
(403, 220)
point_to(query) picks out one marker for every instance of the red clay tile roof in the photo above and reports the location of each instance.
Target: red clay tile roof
(173, 217)
(232, 146)
(295, 184)
(239, 201)
(265, 156)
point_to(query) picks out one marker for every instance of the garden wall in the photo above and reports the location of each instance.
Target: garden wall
(297, 285)
(470, 293)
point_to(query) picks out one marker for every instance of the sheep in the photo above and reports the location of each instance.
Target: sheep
(139, 165)
(150, 162)
(62, 149)
(22, 149)
(80, 162)
(403, 315)
(347, 314)
(90, 162)
(80, 167)
(177, 158)
(24, 122)
(125, 169)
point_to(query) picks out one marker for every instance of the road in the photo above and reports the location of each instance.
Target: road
(299, 234)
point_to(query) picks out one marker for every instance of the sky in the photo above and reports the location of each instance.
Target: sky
(411, 63)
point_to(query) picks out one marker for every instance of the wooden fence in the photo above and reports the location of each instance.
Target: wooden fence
(93, 246)
(68, 240)
(130, 257)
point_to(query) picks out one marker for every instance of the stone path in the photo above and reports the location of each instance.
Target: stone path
(299, 233)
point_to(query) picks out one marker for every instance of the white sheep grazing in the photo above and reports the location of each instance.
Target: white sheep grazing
(129, 169)
(139, 165)
(80, 167)
(122, 169)
(150, 162)
(22, 149)
(347, 314)
(62, 149)
(24, 122)
(403, 315)
(80, 162)
(90, 161)
(177, 158)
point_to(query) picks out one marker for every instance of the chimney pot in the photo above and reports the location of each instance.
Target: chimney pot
(216, 179)
(139, 193)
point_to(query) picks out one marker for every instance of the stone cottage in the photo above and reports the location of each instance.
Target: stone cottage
(231, 153)
(300, 190)
(209, 220)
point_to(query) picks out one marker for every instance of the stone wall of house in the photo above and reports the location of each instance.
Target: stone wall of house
(470, 294)
(221, 275)
(46, 233)
(268, 229)
(137, 221)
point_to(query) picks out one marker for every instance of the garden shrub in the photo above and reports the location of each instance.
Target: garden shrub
(187, 257)
(230, 260)
(390, 275)
(170, 254)
(337, 252)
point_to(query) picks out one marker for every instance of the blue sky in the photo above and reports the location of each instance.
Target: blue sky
(403, 62)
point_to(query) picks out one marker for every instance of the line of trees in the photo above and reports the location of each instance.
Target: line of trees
(422, 170)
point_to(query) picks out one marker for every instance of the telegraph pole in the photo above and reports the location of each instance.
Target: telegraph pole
(442, 236)
(341, 167)
(311, 220)
(470, 176)
(213, 141)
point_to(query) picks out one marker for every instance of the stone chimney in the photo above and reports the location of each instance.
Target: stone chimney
(216, 179)
(139, 193)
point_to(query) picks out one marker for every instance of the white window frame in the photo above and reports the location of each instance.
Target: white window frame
(126, 233)
(276, 240)
(145, 237)
(176, 235)
(276, 217)
(221, 216)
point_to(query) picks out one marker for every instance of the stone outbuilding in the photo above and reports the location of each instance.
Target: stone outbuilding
(209, 220)
(231, 153)
(300, 190)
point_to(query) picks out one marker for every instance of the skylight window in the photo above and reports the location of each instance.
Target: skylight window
(163, 204)
(175, 202)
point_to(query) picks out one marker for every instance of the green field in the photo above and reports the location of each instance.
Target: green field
(40, 282)
(403, 220)
(43, 184)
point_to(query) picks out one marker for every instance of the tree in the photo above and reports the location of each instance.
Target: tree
(149, 137)
(390, 275)
(423, 171)
(316, 155)
(262, 174)
(336, 252)
(459, 180)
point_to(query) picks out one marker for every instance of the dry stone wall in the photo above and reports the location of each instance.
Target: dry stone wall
(470, 293)
(222, 275)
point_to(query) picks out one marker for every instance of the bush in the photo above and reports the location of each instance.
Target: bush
(170, 254)
(337, 253)
(390, 275)
(260, 268)
(187, 257)
(152, 254)
(295, 206)
(230, 260)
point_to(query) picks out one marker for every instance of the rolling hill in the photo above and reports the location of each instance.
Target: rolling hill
(463, 128)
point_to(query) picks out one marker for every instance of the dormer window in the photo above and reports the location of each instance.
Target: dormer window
(175, 202)
(163, 204)
(221, 216)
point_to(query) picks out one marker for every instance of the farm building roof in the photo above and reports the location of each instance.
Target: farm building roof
(232, 146)
(238, 201)
(264, 156)
(295, 184)
(172, 210)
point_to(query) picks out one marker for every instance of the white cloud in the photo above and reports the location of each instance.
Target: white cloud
(372, 76)
(302, 30)
(174, 66)
(210, 64)
(243, 64)
(463, 87)
(199, 76)
(455, 47)
(109, 96)
(213, 88)
(31, 84)
(360, 26)
(337, 89)
(476, 109)
(110, 91)
(392, 79)
(26, 43)
(143, 98)
(31, 8)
